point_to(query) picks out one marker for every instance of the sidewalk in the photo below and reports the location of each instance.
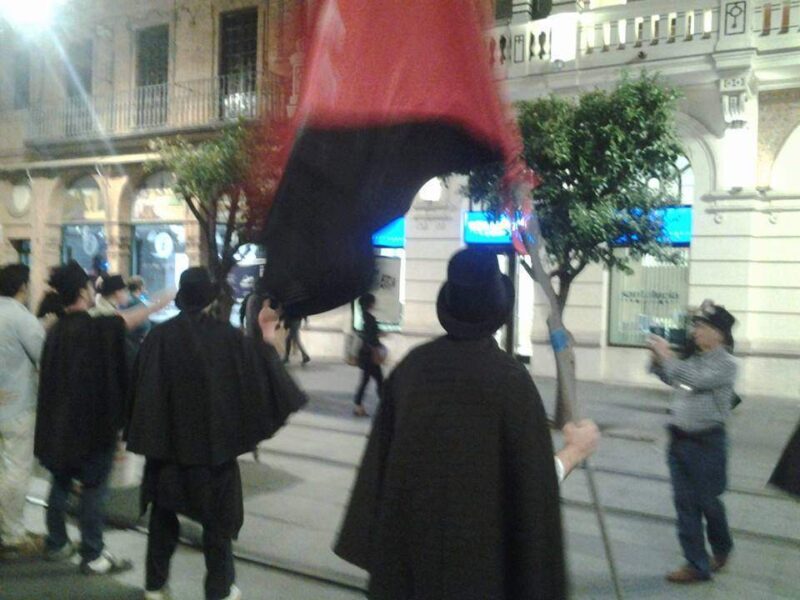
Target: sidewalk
(295, 497)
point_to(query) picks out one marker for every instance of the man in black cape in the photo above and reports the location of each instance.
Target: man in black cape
(203, 395)
(82, 393)
(457, 494)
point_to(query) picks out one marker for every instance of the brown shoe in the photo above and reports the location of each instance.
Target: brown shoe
(718, 563)
(686, 574)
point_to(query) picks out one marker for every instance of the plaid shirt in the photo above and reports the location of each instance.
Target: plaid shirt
(703, 388)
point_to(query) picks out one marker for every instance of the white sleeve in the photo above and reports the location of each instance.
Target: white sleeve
(559, 470)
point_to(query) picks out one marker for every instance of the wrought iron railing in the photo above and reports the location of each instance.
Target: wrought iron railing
(159, 108)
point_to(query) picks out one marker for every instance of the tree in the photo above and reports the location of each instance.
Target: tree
(228, 182)
(605, 163)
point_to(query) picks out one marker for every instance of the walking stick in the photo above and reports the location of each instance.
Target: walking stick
(601, 522)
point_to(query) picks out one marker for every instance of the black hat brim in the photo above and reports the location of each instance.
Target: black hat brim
(466, 330)
(193, 301)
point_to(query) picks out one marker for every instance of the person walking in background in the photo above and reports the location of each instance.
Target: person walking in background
(203, 394)
(368, 357)
(82, 393)
(457, 493)
(21, 341)
(293, 336)
(697, 455)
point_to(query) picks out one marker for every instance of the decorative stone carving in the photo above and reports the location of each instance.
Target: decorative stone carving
(735, 18)
(735, 92)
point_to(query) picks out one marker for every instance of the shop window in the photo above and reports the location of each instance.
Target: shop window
(159, 233)
(83, 235)
(653, 298)
(85, 244)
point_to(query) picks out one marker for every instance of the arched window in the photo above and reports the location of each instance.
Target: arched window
(681, 190)
(155, 200)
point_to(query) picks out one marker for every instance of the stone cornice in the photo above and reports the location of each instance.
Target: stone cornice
(751, 200)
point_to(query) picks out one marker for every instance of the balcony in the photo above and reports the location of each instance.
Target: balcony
(642, 32)
(156, 109)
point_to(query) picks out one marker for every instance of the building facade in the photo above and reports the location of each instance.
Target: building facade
(74, 141)
(81, 100)
(737, 66)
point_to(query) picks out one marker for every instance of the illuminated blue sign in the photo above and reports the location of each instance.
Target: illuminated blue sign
(479, 228)
(392, 235)
(677, 226)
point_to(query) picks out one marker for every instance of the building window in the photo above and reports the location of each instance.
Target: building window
(79, 116)
(503, 9)
(651, 299)
(22, 79)
(79, 69)
(238, 63)
(152, 70)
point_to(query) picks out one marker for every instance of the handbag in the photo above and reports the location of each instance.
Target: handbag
(352, 348)
(379, 354)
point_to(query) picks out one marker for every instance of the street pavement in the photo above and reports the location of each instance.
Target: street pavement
(296, 493)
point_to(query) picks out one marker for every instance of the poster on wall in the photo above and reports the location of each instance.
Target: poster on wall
(386, 288)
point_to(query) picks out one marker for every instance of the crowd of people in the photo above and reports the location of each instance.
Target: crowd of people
(457, 495)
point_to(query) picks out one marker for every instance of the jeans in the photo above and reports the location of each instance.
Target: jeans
(16, 467)
(697, 465)
(161, 543)
(92, 473)
(369, 369)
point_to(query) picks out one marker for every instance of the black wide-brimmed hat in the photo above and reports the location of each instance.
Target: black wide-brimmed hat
(716, 316)
(196, 290)
(110, 284)
(477, 299)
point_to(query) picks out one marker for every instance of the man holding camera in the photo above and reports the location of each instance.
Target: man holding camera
(697, 454)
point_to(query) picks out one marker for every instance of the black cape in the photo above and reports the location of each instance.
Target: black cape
(457, 496)
(82, 389)
(787, 472)
(204, 394)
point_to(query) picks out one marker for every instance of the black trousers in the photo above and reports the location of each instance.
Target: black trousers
(161, 544)
(369, 370)
(294, 336)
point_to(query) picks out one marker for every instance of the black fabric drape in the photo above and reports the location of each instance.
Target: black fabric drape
(82, 389)
(457, 496)
(787, 472)
(204, 394)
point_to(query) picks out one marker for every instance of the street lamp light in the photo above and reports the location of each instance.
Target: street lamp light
(29, 14)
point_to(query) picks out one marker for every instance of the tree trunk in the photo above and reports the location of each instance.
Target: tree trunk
(560, 338)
